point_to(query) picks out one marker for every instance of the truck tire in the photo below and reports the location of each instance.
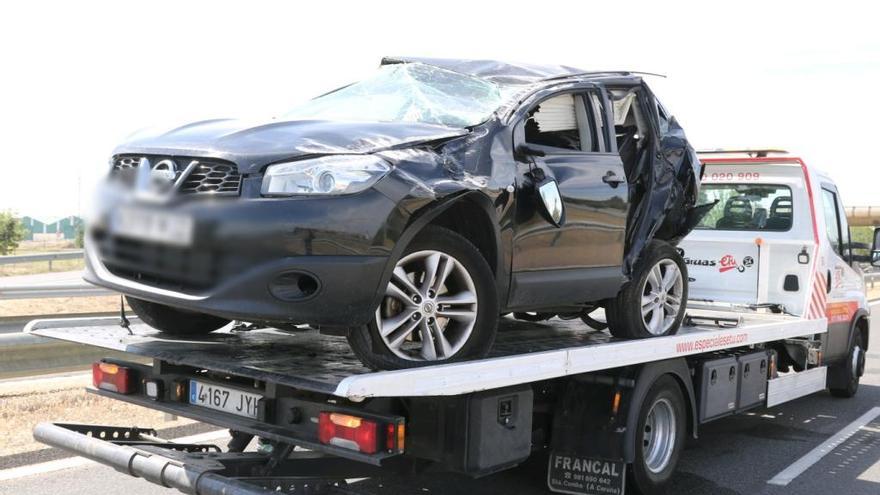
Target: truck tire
(456, 312)
(850, 371)
(660, 434)
(174, 321)
(653, 302)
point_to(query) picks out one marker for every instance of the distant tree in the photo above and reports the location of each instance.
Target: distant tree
(12, 231)
(864, 235)
(79, 240)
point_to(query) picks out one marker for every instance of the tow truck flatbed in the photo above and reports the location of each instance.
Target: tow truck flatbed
(546, 385)
(524, 352)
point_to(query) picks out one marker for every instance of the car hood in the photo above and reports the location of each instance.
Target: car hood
(251, 145)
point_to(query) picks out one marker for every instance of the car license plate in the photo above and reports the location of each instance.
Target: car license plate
(224, 399)
(155, 226)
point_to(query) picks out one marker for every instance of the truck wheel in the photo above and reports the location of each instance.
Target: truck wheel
(659, 437)
(653, 302)
(850, 370)
(440, 305)
(174, 321)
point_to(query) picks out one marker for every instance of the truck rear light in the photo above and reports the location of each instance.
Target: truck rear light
(153, 389)
(394, 435)
(112, 377)
(348, 432)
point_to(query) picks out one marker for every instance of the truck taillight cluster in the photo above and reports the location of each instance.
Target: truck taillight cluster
(112, 377)
(362, 435)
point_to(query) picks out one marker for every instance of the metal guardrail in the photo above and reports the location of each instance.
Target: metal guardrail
(60, 290)
(48, 289)
(50, 257)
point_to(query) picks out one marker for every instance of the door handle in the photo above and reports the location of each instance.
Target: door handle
(612, 179)
(828, 282)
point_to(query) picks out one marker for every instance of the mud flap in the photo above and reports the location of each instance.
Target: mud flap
(577, 475)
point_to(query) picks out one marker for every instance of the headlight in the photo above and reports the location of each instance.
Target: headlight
(340, 174)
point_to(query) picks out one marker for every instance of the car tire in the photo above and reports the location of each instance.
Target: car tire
(850, 370)
(650, 305)
(174, 321)
(440, 311)
(659, 437)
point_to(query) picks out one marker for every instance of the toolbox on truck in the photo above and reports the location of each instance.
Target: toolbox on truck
(717, 384)
(753, 369)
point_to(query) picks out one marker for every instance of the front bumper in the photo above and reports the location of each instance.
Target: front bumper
(242, 247)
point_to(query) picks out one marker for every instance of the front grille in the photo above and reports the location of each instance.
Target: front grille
(207, 176)
(212, 177)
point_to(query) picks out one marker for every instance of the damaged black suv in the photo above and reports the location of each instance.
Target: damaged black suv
(407, 211)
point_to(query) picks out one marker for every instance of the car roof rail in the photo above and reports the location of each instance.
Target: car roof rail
(751, 153)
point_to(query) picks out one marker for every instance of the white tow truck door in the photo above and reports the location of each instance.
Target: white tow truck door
(723, 270)
(756, 245)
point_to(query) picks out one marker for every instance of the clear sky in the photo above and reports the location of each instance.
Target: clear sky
(77, 77)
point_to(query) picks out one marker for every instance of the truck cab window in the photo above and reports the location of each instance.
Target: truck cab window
(761, 207)
(832, 224)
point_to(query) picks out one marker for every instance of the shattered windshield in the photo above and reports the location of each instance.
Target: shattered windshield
(411, 92)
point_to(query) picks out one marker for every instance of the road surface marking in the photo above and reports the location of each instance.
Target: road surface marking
(72, 462)
(788, 474)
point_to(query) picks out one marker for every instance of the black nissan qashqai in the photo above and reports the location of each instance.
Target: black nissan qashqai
(407, 211)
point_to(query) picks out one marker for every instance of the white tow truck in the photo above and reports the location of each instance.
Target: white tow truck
(777, 311)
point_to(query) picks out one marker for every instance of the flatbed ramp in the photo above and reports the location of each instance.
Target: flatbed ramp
(524, 352)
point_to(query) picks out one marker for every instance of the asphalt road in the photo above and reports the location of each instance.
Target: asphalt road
(736, 455)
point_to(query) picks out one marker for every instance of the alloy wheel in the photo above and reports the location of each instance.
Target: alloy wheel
(429, 309)
(662, 297)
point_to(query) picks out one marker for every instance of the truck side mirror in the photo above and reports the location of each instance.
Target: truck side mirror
(875, 248)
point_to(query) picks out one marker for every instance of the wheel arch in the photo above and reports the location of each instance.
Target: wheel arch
(648, 375)
(484, 233)
(861, 324)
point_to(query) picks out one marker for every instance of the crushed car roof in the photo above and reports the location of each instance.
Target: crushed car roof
(506, 72)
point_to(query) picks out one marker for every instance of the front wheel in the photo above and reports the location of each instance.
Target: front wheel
(652, 303)
(439, 306)
(174, 321)
(849, 372)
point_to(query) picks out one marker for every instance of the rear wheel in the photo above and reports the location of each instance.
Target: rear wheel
(440, 305)
(652, 303)
(659, 437)
(851, 370)
(174, 321)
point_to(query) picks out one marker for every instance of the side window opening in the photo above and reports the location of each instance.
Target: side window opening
(569, 122)
(630, 128)
(599, 119)
(832, 223)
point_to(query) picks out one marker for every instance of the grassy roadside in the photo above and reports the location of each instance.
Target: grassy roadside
(37, 267)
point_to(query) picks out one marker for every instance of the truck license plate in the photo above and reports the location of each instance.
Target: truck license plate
(568, 473)
(162, 227)
(224, 399)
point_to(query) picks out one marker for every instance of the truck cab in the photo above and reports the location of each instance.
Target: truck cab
(777, 239)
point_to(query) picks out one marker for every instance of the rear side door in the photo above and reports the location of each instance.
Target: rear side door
(580, 260)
